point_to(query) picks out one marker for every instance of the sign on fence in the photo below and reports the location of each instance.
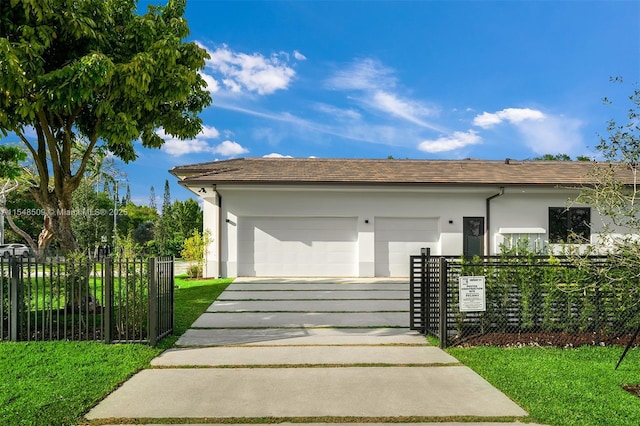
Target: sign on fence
(472, 294)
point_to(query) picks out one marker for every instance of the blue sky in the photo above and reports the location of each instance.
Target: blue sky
(410, 79)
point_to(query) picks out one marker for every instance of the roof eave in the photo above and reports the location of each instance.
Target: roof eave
(194, 182)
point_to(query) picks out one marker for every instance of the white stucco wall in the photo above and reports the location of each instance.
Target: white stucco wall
(523, 208)
(211, 221)
(517, 208)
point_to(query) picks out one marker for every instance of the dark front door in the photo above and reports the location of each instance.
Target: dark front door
(473, 236)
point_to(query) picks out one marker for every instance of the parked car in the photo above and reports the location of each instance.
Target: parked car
(8, 250)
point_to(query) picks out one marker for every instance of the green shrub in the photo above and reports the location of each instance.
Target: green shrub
(533, 292)
(194, 252)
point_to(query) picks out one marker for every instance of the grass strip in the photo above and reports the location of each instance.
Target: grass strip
(562, 386)
(301, 345)
(249, 345)
(306, 300)
(320, 365)
(302, 326)
(318, 289)
(240, 311)
(322, 419)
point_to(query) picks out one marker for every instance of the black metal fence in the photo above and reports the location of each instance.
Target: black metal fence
(82, 298)
(531, 300)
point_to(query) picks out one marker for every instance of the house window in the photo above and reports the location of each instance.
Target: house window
(567, 225)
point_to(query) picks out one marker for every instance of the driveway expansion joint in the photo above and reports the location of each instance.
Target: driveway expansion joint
(246, 365)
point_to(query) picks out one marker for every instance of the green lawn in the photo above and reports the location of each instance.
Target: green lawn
(54, 383)
(562, 386)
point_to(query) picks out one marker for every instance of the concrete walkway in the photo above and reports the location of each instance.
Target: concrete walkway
(301, 349)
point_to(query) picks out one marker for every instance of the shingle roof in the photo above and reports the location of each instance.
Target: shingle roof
(363, 171)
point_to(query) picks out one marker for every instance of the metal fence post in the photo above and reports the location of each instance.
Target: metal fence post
(443, 284)
(424, 288)
(171, 290)
(412, 295)
(152, 322)
(108, 300)
(597, 311)
(15, 295)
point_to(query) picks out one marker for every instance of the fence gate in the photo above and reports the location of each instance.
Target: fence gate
(161, 292)
(418, 275)
(427, 278)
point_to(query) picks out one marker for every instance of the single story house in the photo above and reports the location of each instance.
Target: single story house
(364, 218)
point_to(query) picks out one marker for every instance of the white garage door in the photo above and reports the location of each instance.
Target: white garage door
(398, 238)
(297, 246)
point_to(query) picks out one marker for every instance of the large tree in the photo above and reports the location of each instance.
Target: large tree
(187, 217)
(98, 74)
(615, 195)
(93, 220)
(164, 226)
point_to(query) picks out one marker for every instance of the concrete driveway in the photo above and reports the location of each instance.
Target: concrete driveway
(307, 349)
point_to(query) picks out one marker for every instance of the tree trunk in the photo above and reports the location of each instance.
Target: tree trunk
(57, 224)
(46, 235)
(61, 223)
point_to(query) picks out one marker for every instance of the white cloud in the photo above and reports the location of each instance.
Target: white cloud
(553, 135)
(486, 120)
(366, 74)
(276, 155)
(356, 129)
(449, 143)
(212, 84)
(407, 109)
(542, 133)
(375, 87)
(229, 149)
(177, 147)
(511, 115)
(209, 132)
(299, 56)
(232, 86)
(338, 113)
(199, 145)
(378, 113)
(241, 72)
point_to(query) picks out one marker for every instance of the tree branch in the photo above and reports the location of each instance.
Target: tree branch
(67, 142)
(17, 230)
(93, 140)
(30, 147)
(58, 175)
(40, 160)
(6, 188)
